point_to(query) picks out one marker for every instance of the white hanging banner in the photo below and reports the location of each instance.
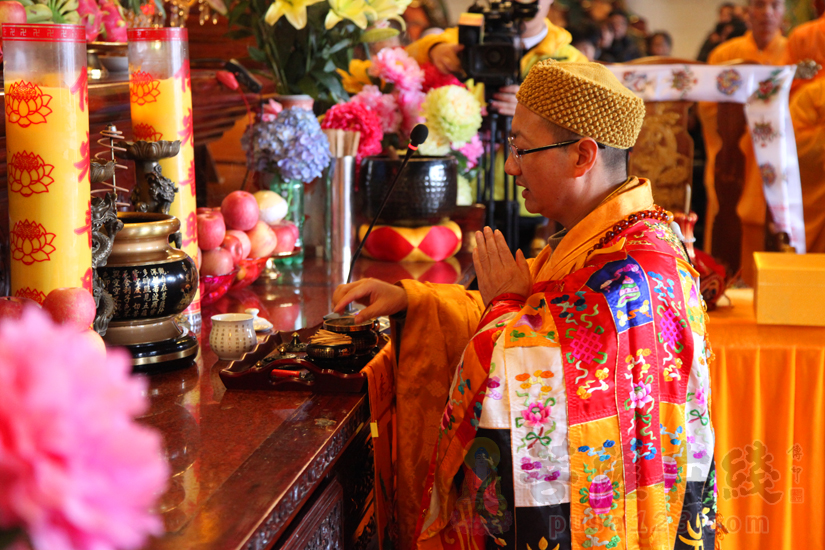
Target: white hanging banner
(764, 90)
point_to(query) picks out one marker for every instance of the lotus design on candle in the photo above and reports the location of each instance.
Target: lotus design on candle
(190, 178)
(26, 104)
(30, 242)
(31, 294)
(143, 88)
(188, 132)
(29, 174)
(146, 132)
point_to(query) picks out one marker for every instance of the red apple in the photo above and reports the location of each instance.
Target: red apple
(211, 230)
(240, 210)
(11, 307)
(203, 209)
(199, 259)
(233, 244)
(286, 237)
(263, 240)
(71, 306)
(12, 12)
(217, 262)
(245, 243)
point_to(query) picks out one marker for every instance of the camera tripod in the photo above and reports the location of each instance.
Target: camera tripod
(501, 214)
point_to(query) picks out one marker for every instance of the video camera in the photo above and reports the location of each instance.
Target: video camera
(491, 54)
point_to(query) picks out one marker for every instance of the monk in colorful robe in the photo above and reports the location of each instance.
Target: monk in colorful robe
(578, 413)
(808, 115)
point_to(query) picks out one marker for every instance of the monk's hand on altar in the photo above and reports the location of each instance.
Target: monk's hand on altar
(381, 298)
(497, 271)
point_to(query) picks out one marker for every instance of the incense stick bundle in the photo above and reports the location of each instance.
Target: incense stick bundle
(343, 143)
(329, 338)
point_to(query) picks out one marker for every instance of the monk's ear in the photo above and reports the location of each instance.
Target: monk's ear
(587, 151)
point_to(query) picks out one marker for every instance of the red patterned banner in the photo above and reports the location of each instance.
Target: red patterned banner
(44, 33)
(165, 34)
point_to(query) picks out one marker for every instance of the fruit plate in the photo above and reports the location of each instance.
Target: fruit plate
(213, 287)
(249, 270)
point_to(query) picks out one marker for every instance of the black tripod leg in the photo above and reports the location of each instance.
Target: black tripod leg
(491, 173)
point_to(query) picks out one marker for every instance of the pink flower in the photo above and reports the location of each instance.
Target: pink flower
(354, 117)
(410, 104)
(640, 395)
(536, 415)
(271, 110)
(394, 65)
(700, 396)
(383, 105)
(473, 150)
(77, 473)
(433, 78)
(527, 464)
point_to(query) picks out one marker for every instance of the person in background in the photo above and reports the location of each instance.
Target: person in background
(660, 43)
(623, 47)
(805, 42)
(808, 116)
(586, 37)
(718, 35)
(766, 45)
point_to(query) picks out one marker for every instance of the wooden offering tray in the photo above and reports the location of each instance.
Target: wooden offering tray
(278, 364)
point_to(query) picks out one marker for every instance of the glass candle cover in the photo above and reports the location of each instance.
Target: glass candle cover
(47, 152)
(160, 96)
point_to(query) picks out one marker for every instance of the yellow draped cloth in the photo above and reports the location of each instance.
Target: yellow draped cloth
(751, 207)
(769, 416)
(440, 321)
(808, 115)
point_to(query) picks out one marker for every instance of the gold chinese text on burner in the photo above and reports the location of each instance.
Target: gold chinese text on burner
(327, 338)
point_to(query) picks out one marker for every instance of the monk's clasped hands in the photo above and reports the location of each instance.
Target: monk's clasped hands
(497, 270)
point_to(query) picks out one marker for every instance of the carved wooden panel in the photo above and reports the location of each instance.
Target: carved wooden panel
(729, 181)
(664, 153)
(321, 527)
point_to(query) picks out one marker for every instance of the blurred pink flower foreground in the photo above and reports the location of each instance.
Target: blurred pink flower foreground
(76, 471)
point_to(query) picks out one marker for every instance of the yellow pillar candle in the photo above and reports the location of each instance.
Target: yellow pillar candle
(160, 95)
(47, 152)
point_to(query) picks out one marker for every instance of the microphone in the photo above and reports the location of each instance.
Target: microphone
(417, 137)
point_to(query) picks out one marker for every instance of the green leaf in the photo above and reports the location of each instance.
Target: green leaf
(257, 55)
(378, 34)
(307, 86)
(338, 46)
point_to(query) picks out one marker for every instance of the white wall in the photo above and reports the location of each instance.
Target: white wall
(688, 21)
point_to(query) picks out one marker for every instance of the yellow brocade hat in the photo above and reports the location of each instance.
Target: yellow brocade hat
(584, 98)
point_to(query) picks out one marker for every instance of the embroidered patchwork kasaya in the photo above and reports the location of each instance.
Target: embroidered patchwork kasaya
(579, 416)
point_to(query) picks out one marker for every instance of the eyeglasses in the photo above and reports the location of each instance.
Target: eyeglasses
(518, 153)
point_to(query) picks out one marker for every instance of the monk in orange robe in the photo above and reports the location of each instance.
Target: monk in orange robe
(808, 115)
(765, 45)
(578, 412)
(807, 42)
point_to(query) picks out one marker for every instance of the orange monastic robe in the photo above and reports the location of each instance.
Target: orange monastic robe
(808, 115)
(635, 304)
(807, 41)
(752, 205)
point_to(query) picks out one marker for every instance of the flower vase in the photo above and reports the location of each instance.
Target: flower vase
(301, 101)
(293, 192)
(47, 152)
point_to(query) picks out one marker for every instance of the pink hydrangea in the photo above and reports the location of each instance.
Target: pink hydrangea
(410, 105)
(473, 150)
(383, 105)
(76, 471)
(395, 65)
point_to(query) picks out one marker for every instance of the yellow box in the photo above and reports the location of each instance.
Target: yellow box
(790, 289)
